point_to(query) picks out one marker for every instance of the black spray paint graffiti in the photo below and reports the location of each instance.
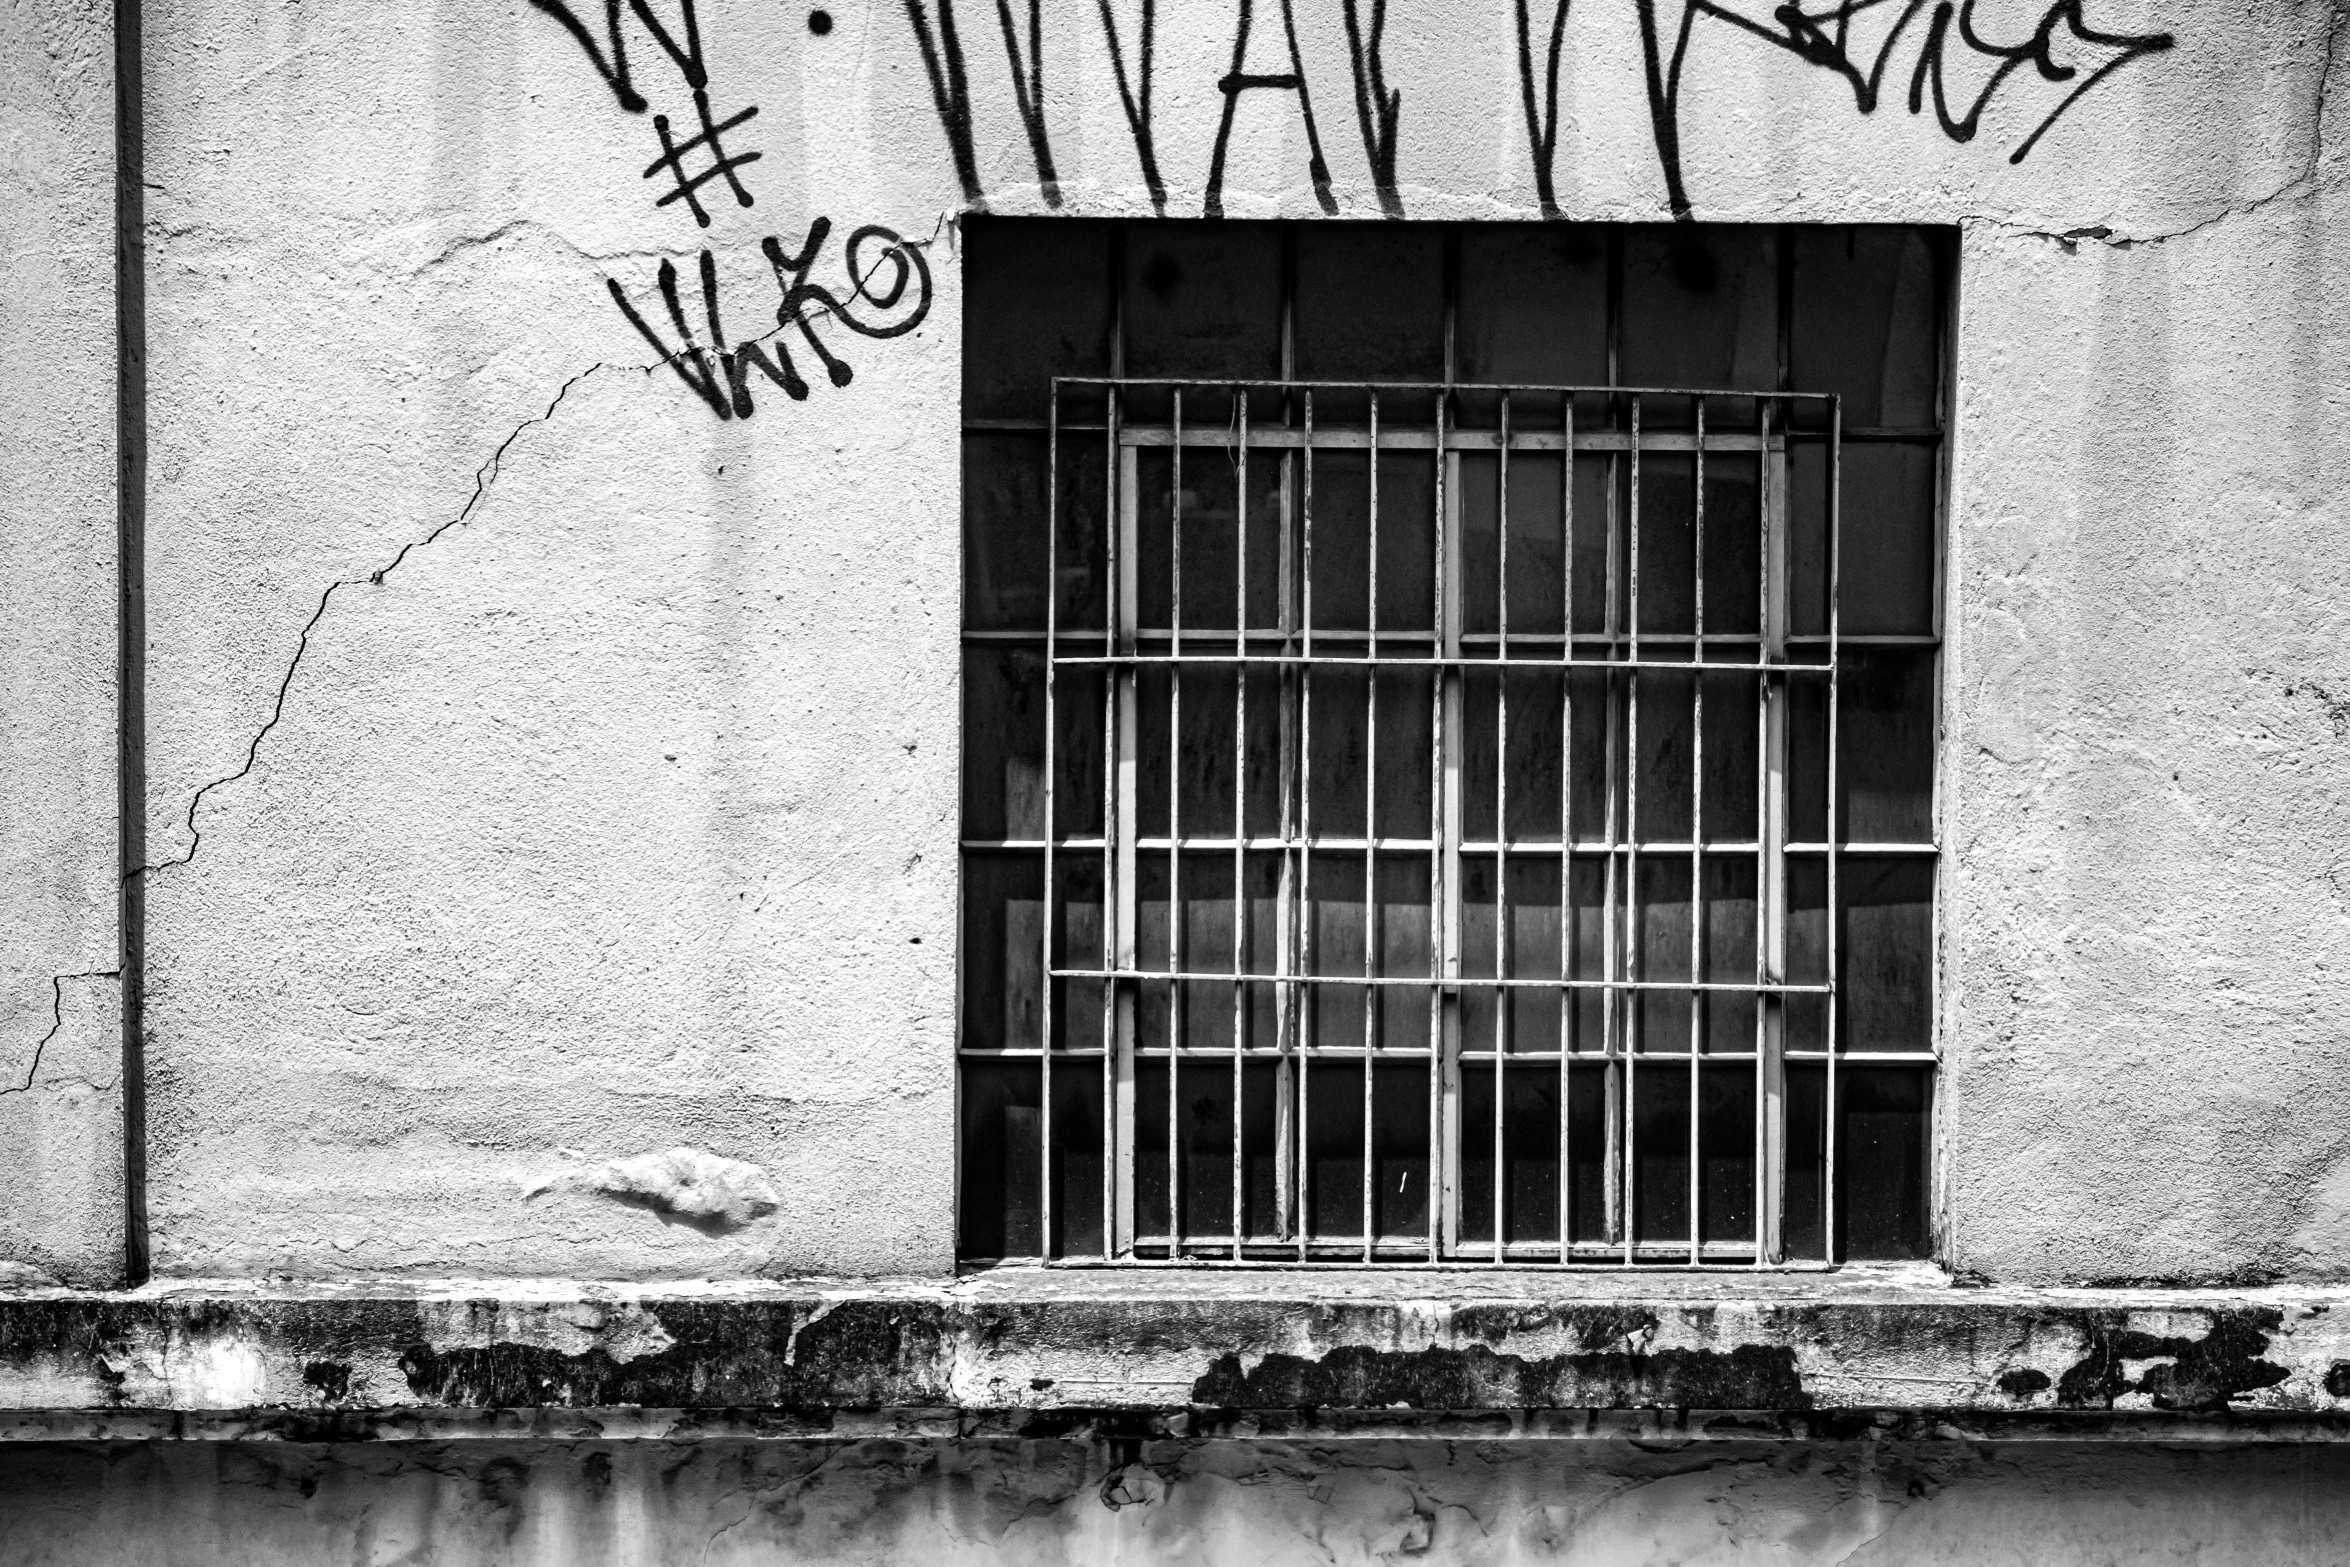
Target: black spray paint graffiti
(717, 373)
(1542, 125)
(1822, 38)
(720, 376)
(1378, 107)
(1825, 39)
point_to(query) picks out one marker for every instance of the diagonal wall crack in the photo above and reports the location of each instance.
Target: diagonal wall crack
(484, 477)
(32, 1069)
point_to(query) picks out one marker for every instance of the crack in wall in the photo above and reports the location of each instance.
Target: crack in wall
(484, 477)
(32, 1069)
(2307, 182)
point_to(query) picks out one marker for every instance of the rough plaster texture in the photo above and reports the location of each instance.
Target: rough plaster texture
(1600, 1504)
(1508, 1355)
(545, 772)
(60, 1051)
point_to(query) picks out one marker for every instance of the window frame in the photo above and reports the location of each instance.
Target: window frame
(1121, 841)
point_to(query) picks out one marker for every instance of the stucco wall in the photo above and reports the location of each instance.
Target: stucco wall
(544, 771)
(1046, 1502)
(60, 1040)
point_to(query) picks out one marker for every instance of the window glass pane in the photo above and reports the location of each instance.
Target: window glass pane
(1399, 1149)
(1005, 566)
(1203, 300)
(1865, 322)
(1036, 305)
(1883, 1166)
(1001, 1189)
(1525, 1134)
(1335, 1194)
(1725, 1145)
(1003, 951)
(1701, 309)
(1370, 307)
(1885, 582)
(1659, 1093)
(1533, 311)
(1887, 952)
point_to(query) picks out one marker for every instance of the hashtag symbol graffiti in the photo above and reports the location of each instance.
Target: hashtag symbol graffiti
(722, 166)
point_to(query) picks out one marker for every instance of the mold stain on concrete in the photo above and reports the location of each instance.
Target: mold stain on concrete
(2202, 1374)
(1750, 1376)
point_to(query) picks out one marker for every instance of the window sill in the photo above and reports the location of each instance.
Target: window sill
(1459, 1353)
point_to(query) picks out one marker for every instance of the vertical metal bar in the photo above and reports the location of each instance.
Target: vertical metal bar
(1771, 857)
(1120, 909)
(1632, 953)
(1117, 637)
(1835, 825)
(1285, 994)
(1444, 913)
(1052, 825)
(1309, 999)
(1240, 829)
(1566, 999)
(1371, 964)
(1444, 1137)
(1501, 817)
(1287, 998)
(1176, 1017)
(1618, 1001)
(1696, 834)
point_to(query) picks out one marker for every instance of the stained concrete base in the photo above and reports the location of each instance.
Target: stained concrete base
(1048, 1502)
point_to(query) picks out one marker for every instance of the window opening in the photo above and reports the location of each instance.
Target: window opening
(1400, 750)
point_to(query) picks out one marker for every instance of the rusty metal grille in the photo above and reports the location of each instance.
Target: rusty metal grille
(1430, 858)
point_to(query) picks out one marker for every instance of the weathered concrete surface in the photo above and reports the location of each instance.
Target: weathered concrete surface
(60, 1050)
(545, 772)
(2148, 894)
(1862, 1504)
(1046, 1355)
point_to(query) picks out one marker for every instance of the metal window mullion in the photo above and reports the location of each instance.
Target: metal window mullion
(1119, 893)
(1835, 824)
(1309, 1000)
(1371, 1002)
(1697, 833)
(1501, 817)
(1175, 905)
(1240, 833)
(1444, 1134)
(1287, 997)
(1044, 972)
(1636, 1009)
(1771, 837)
(1568, 1017)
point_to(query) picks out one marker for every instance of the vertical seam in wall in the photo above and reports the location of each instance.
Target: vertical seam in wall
(130, 529)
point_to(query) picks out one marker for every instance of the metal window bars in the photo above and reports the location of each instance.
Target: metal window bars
(1301, 978)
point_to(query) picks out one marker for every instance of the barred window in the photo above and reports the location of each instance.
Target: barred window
(1450, 718)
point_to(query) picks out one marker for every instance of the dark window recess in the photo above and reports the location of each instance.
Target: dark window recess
(1450, 742)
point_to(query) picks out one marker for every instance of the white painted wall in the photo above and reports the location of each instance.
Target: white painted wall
(619, 814)
(60, 1038)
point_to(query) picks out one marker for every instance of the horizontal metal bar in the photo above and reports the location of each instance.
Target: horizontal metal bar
(1408, 982)
(1324, 438)
(1884, 434)
(1527, 848)
(1221, 1053)
(1409, 1254)
(1130, 383)
(1429, 661)
(1858, 846)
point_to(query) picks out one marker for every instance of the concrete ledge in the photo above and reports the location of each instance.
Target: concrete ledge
(1463, 1354)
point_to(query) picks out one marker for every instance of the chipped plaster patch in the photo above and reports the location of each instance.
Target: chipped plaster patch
(689, 1186)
